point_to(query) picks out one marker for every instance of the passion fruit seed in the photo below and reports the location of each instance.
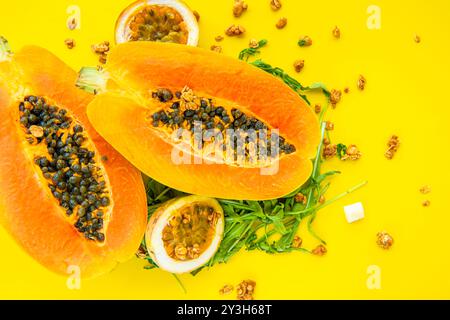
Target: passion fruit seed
(158, 23)
(188, 233)
(69, 167)
(176, 114)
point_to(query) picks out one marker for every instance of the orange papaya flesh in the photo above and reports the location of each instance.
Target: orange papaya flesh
(63, 189)
(167, 87)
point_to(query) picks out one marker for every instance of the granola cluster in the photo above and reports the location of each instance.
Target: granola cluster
(320, 250)
(282, 22)
(253, 43)
(239, 8)
(351, 153)
(384, 240)
(393, 145)
(298, 65)
(297, 242)
(101, 49)
(300, 198)
(329, 150)
(226, 289)
(336, 32)
(235, 30)
(275, 5)
(70, 43)
(361, 82)
(335, 97)
(216, 48)
(245, 290)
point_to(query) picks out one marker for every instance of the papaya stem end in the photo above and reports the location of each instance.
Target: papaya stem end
(92, 80)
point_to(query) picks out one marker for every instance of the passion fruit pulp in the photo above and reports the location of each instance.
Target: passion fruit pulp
(157, 20)
(185, 233)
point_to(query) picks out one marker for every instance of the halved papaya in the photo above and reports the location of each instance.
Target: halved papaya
(201, 122)
(66, 196)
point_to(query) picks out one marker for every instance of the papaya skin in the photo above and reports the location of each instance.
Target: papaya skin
(28, 210)
(140, 68)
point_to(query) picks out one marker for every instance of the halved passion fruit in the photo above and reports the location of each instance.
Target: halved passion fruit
(185, 233)
(157, 20)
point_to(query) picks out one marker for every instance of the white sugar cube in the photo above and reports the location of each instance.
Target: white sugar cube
(354, 212)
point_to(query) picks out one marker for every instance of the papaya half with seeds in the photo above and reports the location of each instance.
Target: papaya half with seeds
(66, 196)
(188, 118)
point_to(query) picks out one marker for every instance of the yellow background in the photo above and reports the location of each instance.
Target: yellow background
(406, 94)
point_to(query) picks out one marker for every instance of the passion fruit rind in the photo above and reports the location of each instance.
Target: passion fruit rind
(185, 233)
(67, 163)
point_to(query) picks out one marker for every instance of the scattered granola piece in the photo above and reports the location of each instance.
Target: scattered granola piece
(102, 47)
(346, 90)
(351, 153)
(300, 198)
(361, 82)
(245, 290)
(393, 145)
(70, 43)
(326, 141)
(219, 38)
(322, 198)
(281, 23)
(72, 24)
(216, 48)
(253, 43)
(227, 289)
(329, 151)
(320, 250)
(298, 65)
(336, 32)
(335, 97)
(275, 5)
(297, 242)
(234, 30)
(384, 240)
(196, 15)
(102, 58)
(188, 98)
(141, 253)
(305, 41)
(425, 189)
(417, 38)
(37, 131)
(239, 8)
(426, 203)
(317, 108)
(329, 126)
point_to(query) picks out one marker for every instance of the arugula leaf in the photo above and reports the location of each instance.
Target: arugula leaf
(302, 42)
(270, 225)
(251, 52)
(341, 150)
